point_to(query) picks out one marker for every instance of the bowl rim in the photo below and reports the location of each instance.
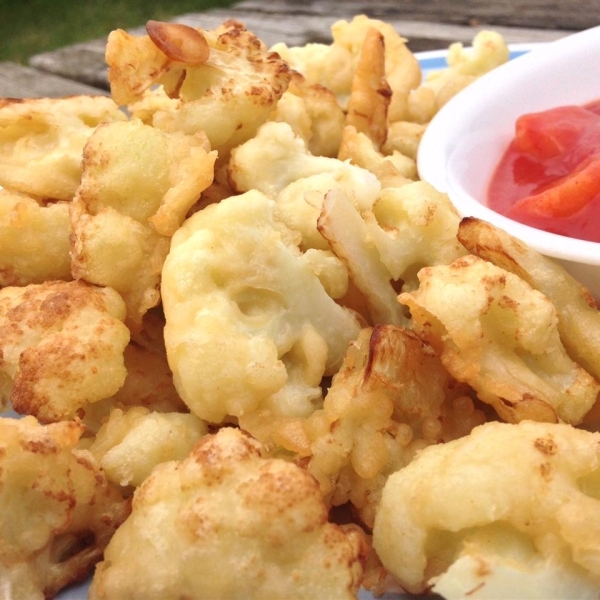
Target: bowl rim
(437, 145)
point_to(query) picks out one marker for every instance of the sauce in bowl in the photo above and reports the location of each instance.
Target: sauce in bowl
(549, 177)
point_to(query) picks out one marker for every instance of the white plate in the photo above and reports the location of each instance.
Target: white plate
(430, 61)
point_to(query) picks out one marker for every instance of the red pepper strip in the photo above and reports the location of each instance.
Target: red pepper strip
(568, 196)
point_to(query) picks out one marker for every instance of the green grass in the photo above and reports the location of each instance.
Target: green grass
(28, 27)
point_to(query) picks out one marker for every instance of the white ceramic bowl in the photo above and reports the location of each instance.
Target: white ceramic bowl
(465, 140)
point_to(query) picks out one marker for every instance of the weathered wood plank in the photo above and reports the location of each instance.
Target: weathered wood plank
(537, 14)
(296, 23)
(18, 81)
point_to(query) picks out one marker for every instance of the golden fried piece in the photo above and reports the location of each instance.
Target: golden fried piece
(249, 324)
(132, 442)
(334, 65)
(371, 94)
(313, 113)
(34, 240)
(513, 500)
(227, 523)
(297, 180)
(578, 317)
(42, 141)
(62, 346)
(148, 384)
(413, 226)
(495, 332)
(391, 398)
(392, 170)
(489, 50)
(345, 230)
(58, 509)
(137, 186)
(227, 96)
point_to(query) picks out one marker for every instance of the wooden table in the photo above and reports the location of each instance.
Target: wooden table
(427, 24)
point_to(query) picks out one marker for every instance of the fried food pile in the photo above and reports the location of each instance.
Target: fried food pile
(250, 354)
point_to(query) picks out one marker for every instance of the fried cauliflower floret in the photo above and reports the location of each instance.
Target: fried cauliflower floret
(392, 170)
(247, 320)
(489, 50)
(58, 509)
(334, 65)
(520, 497)
(391, 398)
(495, 332)
(277, 163)
(578, 315)
(34, 240)
(62, 346)
(130, 444)
(227, 523)
(276, 158)
(149, 381)
(137, 186)
(227, 96)
(42, 141)
(345, 230)
(413, 226)
(313, 113)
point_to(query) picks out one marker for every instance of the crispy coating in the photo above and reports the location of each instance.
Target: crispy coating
(371, 94)
(345, 230)
(313, 113)
(578, 316)
(489, 50)
(148, 384)
(277, 163)
(58, 509)
(62, 346)
(34, 240)
(413, 226)
(131, 443)
(518, 496)
(137, 186)
(228, 96)
(334, 65)
(497, 333)
(391, 398)
(392, 170)
(248, 322)
(227, 523)
(42, 141)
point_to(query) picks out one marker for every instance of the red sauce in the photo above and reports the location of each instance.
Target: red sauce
(549, 177)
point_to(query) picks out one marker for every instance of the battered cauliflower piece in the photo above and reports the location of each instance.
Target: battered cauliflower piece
(345, 230)
(130, 444)
(391, 398)
(334, 65)
(137, 186)
(392, 170)
(521, 499)
(62, 346)
(313, 113)
(489, 50)
(227, 96)
(42, 141)
(276, 157)
(413, 226)
(244, 310)
(227, 523)
(34, 240)
(495, 332)
(148, 384)
(58, 509)
(277, 163)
